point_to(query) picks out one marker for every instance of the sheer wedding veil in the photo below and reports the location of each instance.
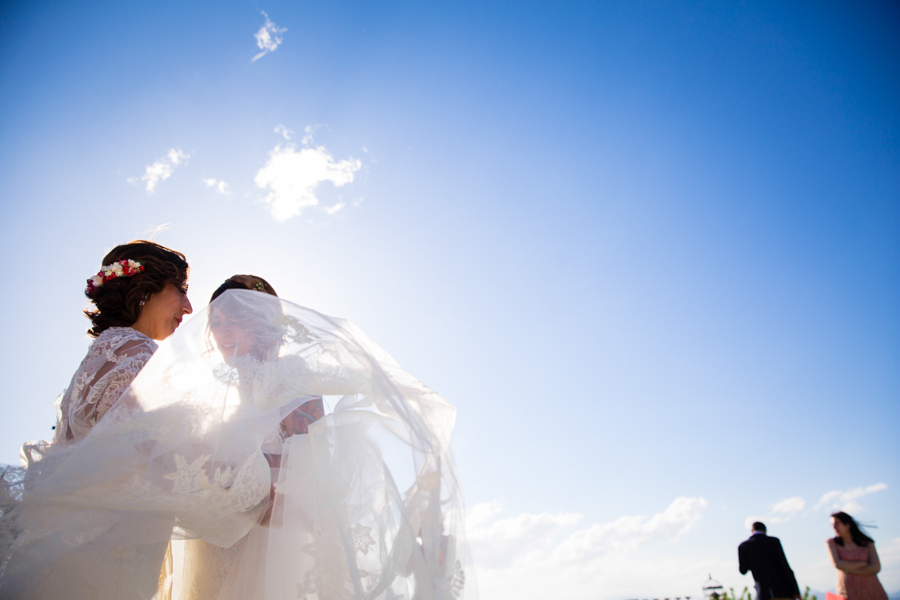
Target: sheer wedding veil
(366, 505)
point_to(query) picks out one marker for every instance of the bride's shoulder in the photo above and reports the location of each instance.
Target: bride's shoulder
(121, 341)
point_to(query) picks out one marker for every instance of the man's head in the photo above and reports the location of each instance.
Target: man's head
(758, 527)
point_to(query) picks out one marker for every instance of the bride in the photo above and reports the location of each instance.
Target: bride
(365, 502)
(139, 297)
(204, 447)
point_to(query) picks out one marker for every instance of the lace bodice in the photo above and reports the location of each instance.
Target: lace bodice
(112, 362)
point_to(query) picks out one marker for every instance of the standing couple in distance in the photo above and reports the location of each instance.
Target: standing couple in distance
(207, 467)
(851, 551)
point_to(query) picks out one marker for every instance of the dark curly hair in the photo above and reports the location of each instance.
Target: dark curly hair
(244, 282)
(119, 301)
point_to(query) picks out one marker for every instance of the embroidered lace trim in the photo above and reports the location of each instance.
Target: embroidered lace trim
(112, 362)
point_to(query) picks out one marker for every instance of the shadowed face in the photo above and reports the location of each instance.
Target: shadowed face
(840, 528)
(232, 340)
(162, 312)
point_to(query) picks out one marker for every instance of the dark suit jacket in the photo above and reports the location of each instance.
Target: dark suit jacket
(764, 556)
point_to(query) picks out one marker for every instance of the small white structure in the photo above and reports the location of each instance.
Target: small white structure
(713, 590)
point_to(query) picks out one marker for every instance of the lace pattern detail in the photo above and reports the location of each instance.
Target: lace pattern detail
(210, 566)
(112, 362)
(239, 493)
(12, 480)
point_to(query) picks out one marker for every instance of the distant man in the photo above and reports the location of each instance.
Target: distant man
(764, 556)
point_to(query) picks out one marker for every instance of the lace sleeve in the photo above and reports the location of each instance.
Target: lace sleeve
(122, 366)
(112, 363)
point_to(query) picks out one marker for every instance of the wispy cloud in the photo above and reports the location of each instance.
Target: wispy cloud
(785, 510)
(780, 512)
(547, 555)
(268, 38)
(630, 532)
(220, 186)
(287, 133)
(308, 132)
(160, 170)
(846, 500)
(292, 177)
(330, 210)
(789, 506)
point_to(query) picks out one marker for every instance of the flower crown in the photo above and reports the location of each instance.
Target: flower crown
(120, 268)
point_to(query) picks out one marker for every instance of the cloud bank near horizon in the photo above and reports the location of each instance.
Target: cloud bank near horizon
(549, 555)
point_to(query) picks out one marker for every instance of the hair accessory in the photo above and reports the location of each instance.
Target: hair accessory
(259, 287)
(120, 268)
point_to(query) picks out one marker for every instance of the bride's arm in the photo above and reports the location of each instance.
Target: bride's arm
(110, 381)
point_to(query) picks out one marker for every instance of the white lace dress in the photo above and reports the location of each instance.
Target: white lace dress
(112, 362)
(95, 571)
(90, 515)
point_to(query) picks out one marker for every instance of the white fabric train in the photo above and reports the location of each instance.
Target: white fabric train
(366, 505)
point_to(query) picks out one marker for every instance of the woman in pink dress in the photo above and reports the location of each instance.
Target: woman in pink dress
(853, 554)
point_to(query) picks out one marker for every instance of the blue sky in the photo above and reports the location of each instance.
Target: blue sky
(650, 250)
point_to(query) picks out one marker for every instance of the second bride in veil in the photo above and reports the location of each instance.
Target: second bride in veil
(364, 502)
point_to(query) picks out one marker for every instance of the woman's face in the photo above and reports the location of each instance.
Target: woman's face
(232, 340)
(840, 528)
(162, 312)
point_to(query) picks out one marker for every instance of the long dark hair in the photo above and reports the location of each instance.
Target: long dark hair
(859, 538)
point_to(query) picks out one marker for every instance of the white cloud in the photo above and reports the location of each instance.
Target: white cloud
(506, 541)
(176, 156)
(630, 532)
(330, 210)
(292, 178)
(528, 535)
(846, 500)
(268, 38)
(539, 556)
(160, 170)
(309, 130)
(221, 186)
(789, 506)
(287, 133)
(480, 513)
(780, 512)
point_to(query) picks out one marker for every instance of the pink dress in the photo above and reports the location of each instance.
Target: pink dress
(858, 587)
